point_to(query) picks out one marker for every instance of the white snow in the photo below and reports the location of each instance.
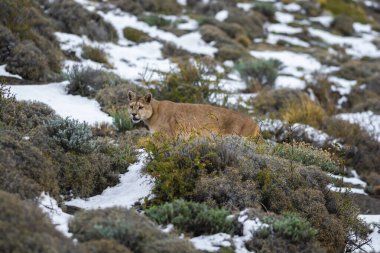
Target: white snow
(366, 120)
(283, 28)
(323, 20)
(133, 187)
(372, 219)
(342, 86)
(283, 17)
(211, 243)
(357, 47)
(289, 82)
(57, 216)
(221, 15)
(245, 6)
(362, 28)
(3, 72)
(182, 2)
(65, 105)
(295, 64)
(346, 189)
(275, 38)
(189, 25)
(351, 180)
(293, 7)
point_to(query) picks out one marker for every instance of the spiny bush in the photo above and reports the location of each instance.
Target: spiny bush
(122, 121)
(191, 83)
(191, 217)
(95, 54)
(267, 9)
(251, 22)
(258, 71)
(135, 35)
(344, 25)
(86, 81)
(24, 228)
(169, 7)
(308, 155)
(7, 42)
(72, 17)
(125, 226)
(71, 134)
(114, 98)
(103, 246)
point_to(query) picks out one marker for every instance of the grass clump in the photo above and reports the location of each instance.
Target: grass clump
(349, 8)
(122, 121)
(95, 54)
(308, 155)
(24, 228)
(190, 84)
(258, 72)
(135, 35)
(71, 134)
(101, 246)
(126, 227)
(191, 217)
(86, 81)
(155, 20)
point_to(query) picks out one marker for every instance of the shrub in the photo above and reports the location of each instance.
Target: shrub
(230, 52)
(122, 121)
(212, 33)
(257, 71)
(192, 217)
(349, 8)
(307, 155)
(154, 20)
(101, 246)
(7, 42)
(114, 98)
(135, 35)
(86, 81)
(125, 226)
(72, 17)
(303, 111)
(344, 25)
(28, 61)
(95, 54)
(71, 134)
(171, 50)
(24, 228)
(267, 9)
(190, 84)
(251, 22)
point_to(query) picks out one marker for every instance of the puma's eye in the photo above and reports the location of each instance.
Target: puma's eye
(140, 107)
(131, 107)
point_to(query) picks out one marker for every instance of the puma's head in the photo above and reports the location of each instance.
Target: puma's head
(139, 107)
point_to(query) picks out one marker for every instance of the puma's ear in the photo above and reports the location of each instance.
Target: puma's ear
(131, 95)
(148, 97)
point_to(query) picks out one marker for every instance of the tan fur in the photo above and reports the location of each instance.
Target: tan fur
(181, 118)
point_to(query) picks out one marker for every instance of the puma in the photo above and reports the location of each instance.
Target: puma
(182, 118)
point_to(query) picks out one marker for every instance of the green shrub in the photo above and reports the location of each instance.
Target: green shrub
(192, 217)
(71, 134)
(344, 25)
(135, 35)
(113, 98)
(95, 54)
(267, 9)
(350, 8)
(24, 228)
(190, 84)
(257, 71)
(230, 52)
(132, 230)
(7, 42)
(251, 22)
(154, 20)
(308, 155)
(122, 121)
(86, 81)
(293, 227)
(103, 246)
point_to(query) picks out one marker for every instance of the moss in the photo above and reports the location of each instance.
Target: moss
(95, 54)
(24, 228)
(135, 35)
(192, 217)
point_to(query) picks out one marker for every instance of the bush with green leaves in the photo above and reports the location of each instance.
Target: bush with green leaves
(86, 81)
(191, 83)
(122, 120)
(192, 217)
(267, 9)
(72, 134)
(96, 54)
(135, 35)
(258, 71)
(128, 228)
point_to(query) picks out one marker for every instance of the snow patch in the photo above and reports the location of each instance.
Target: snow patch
(221, 15)
(283, 28)
(211, 243)
(133, 187)
(283, 17)
(3, 72)
(374, 221)
(289, 82)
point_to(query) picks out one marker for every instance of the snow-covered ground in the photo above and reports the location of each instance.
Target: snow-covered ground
(133, 187)
(374, 221)
(65, 105)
